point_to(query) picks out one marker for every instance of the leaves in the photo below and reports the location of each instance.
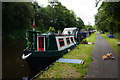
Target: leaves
(107, 18)
(20, 15)
(16, 18)
(51, 29)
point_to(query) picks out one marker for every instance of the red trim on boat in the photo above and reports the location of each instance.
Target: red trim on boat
(60, 41)
(41, 46)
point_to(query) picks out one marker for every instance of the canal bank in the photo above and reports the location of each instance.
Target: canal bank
(113, 42)
(72, 70)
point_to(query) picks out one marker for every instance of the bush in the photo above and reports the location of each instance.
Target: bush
(51, 29)
(84, 40)
(117, 35)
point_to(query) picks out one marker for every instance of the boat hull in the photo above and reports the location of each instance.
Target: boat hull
(46, 54)
(40, 60)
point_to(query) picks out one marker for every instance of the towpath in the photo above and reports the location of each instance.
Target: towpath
(103, 68)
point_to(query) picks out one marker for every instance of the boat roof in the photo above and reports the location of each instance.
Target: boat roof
(69, 29)
(84, 31)
(55, 34)
(65, 31)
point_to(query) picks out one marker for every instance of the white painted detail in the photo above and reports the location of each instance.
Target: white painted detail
(118, 43)
(77, 61)
(65, 31)
(65, 42)
(74, 40)
(89, 42)
(68, 50)
(24, 57)
(76, 34)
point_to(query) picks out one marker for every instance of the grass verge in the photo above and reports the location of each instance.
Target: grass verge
(113, 42)
(70, 70)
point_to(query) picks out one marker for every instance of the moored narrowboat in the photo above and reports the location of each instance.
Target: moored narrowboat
(84, 34)
(73, 31)
(47, 44)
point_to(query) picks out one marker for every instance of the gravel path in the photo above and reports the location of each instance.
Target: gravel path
(103, 68)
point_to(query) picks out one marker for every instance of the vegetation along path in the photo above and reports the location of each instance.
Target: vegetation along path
(103, 68)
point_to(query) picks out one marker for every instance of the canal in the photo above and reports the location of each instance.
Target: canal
(13, 66)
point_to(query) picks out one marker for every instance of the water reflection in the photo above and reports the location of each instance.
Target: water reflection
(13, 66)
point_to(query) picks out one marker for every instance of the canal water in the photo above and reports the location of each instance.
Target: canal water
(13, 66)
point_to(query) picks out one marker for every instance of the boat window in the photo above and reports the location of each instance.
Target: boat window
(72, 39)
(61, 42)
(68, 41)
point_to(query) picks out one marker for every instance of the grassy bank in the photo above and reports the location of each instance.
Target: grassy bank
(70, 70)
(113, 42)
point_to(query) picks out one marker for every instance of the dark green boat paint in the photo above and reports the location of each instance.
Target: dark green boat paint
(51, 48)
(52, 53)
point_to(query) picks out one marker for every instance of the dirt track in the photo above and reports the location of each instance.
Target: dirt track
(103, 68)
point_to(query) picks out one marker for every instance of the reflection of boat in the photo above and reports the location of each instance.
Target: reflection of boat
(47, 45)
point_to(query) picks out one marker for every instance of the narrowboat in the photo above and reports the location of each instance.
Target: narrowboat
(47, 45)
(84, 34)
(73, 31)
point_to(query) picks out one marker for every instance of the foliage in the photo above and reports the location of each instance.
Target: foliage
(84, 40)
(19, 17)
(51, 29)
(16, 17)
(88, 27)
(80, 24)
(56, 15)
(107, 19)
(113, 42)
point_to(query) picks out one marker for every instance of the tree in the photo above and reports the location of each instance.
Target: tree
(16, 18)
(80, 23)
(107, 18)
(89, 27)
(19, 17)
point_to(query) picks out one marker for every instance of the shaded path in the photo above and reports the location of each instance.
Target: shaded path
(103, 68)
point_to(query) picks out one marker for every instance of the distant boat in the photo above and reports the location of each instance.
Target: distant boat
(84, 34)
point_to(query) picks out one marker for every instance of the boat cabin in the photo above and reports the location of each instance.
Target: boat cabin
(84, 34)
(48, 42)
(73, 31)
